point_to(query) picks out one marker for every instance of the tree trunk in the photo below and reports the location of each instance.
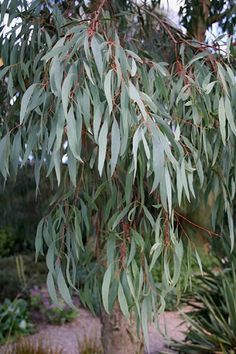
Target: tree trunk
(119, 336)
(201, 23)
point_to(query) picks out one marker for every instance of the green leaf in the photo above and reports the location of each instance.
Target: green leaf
(145, 145)
(222, 119)
(133, 68)
(102, 143)
(134, 95)
(144, 321)
(50, 257)
(209, 87)
(39, 239)
(65, 92)
(88, 72)
(78, 233)
(72, 133)
(138, 239)
(132, 252)
(97, 119)
(158, 161)
(134, 55)
(199, 261)
(115, 145)
(15, 152)
(4, 71)
(184, 180)
(198, 57)
(136, 140)
(120, 217)
(229, 114)
(168, 189)
(123, 301)
(111, 247)
(57, 164)
(221, 74)
(4, 155)
(231, 228)
(179, 185)
(72, 167)
(108, 89)
(51, 289)
(157, 249)
(106, 286)
(63, 289)
(25, 101)
(148, 215)
(56, 75)
(84, 211)
(97, 53)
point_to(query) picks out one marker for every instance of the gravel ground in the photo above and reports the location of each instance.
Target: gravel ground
(87, 328)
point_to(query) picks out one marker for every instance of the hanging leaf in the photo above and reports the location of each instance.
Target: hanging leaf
(222, 119)
(115, 145)
(102, 143)
(123, 301)
(66, 90)
(108, 89)
(63, 288)
(25, 101)
(39, 239)
(105, 287)
(229, 114)
(97, 54)
(51, 289)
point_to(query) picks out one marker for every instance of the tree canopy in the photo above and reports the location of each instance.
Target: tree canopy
(130, 140)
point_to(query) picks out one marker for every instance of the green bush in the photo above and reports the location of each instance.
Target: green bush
(19, 209)
(7, 241)
(14, 280)
(14, 319)
(40, 301)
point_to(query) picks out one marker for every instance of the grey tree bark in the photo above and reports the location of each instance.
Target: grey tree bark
(119, 336)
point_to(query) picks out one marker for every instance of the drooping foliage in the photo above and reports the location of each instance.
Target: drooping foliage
(130, 141)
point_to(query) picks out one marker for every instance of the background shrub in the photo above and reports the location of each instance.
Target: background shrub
(15, 280)
(41, 302)
(7, 241)
(14, 319)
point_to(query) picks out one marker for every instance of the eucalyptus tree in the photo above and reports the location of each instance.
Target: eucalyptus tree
(130, 141)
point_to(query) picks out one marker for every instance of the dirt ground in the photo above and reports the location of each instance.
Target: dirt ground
(87, 328)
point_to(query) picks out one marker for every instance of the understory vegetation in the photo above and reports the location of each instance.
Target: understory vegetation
(212, 321)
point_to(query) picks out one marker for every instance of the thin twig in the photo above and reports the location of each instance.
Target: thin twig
(210, 232)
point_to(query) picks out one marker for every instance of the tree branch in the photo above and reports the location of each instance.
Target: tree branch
(218, 17)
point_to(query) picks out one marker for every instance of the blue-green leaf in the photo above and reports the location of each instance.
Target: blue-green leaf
(25, 101)
(108, 89)
(63, 289)
(102, 143)
(115, 145)
(96, 50)
(222, 119)
(105, 287)
(123, 301)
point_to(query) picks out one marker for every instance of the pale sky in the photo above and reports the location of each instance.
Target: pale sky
(172, 8)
